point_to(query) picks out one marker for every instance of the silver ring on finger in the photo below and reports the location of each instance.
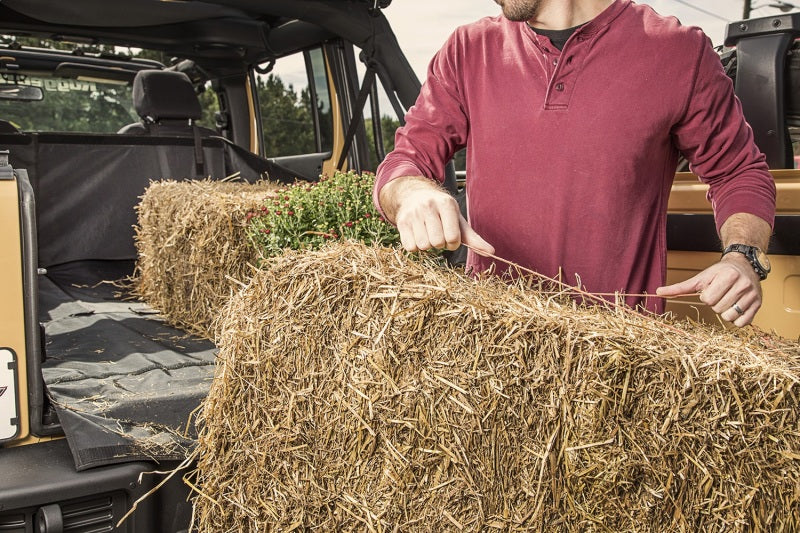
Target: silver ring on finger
(738, 309)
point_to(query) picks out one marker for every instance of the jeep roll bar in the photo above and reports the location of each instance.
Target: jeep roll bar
(762, 47)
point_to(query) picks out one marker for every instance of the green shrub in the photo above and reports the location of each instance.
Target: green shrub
(307, 215)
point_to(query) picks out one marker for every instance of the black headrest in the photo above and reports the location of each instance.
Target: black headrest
(161, 94)
(7, 127)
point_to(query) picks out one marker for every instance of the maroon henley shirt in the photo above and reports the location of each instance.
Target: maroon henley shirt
(571, 154)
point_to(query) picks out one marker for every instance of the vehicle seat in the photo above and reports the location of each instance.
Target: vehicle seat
(7, 127)
(167, 103)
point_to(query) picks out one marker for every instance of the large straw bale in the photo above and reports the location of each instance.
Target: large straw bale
(192, 246)
(359, 390)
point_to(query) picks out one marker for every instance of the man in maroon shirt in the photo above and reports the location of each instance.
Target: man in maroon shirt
(574, 114)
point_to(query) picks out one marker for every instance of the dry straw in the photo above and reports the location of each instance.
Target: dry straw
(193, 249)
(359, 390)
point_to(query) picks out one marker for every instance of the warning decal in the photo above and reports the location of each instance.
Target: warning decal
(9, 416)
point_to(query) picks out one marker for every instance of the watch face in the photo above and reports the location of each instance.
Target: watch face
(762, 259)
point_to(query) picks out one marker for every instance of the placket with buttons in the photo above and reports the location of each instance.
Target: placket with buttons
(562, 68)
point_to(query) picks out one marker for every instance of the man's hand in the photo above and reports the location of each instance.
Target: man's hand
(731, 288)
(427, 216)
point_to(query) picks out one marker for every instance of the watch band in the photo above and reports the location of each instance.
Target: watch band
(752, 254)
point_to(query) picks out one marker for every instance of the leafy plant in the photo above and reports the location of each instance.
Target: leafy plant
(307, 215)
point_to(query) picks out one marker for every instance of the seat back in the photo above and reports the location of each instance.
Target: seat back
(167, 104)
(88, 185)
(7, 127)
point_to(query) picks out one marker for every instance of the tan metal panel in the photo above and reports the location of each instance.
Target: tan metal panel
(12, 314)
(780, 310)
(689, 195)
(329, 165)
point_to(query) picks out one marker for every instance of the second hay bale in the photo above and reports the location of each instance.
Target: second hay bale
(192, 246)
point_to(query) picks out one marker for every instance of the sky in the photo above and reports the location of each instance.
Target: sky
(421, 26)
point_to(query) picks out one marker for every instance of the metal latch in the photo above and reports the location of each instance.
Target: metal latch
(6, 172)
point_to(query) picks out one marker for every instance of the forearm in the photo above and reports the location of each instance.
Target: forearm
(744, 228)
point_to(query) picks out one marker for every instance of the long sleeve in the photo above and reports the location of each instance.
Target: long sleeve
(718, 143)
(436, 127)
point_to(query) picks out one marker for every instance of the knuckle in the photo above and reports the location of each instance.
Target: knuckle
(730, 276)
(404, 222)
(446, 203)
(452, 235)
(437, 201)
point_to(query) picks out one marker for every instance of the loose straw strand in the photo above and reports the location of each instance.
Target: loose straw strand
(594, 295)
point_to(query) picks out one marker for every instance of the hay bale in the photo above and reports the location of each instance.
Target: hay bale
(192, 248)
(359, 390)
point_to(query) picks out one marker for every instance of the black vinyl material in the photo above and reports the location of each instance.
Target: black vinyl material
(87, 186)
(123, 382)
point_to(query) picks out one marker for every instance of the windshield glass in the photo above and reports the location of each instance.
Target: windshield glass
(91, 106)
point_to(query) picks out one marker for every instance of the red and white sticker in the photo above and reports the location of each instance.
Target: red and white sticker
(9, 414)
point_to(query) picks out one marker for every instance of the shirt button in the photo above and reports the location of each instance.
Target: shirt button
(555, 62)
(559, 86)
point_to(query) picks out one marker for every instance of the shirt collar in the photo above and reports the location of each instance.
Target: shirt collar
(604, 18)
(588, 30)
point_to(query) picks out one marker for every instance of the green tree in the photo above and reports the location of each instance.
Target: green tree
(285, 118)
(209, 103)
(35, 42)
(389, 126)
(69, 105)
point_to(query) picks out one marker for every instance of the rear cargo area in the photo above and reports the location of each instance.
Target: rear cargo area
(123, 384)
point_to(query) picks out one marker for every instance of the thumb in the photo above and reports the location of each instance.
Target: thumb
(471, 239)
(690, 286)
